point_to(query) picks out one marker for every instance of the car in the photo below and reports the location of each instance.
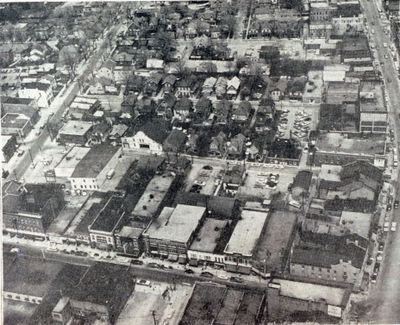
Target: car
(96, 255)
(236, 279)
(389, 207)
(386, 226)
(153, 265)
(396, 204)
(189, 271)
(381, 247)
(143, 282)
(136, 262)
(373, 278)
(14, 250)
(79, 253)
(206, 274)
(223, 277)
(385, 45)
(201, 183)
(377, 268)
(386, 56)
(379, 257)
(394, 226)
(41, 127)
(20, 152)
(370, 260)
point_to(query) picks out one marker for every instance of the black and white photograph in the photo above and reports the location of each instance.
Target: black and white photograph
(200, 162)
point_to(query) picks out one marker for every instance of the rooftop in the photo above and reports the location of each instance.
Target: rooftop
(330, 173)
(110, 215)
(74, 127)
(372, 99)
(176, 225)
(246, 233)
(95, 161)
(308, 291)
(71, 159)
(207, 238)
(357, 222)
(15, 121)
(149, 203)
(17, 100)
(336, 142)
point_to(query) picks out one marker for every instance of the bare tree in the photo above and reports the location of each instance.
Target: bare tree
(69, 57)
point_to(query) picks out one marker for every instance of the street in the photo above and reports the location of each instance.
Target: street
(385, 294)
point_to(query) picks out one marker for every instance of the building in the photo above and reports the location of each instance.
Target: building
(373, 112)
(209, 242)
(342, 92)
(157, 192)
(129, 240)
(289, 297)
(16, 124)
(8, 147)
(321, 12)
(40, 91)
(25, 106)
(234, 178)
(100, 294)
(241, 247)
(172, 232)
(75, 132)
(148, 138)
(212, 303)
(28, 210)
(355, 51)
(107, 221)
(90, 173)
(82, 105)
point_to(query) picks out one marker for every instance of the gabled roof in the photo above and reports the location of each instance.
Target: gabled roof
(209, 82)
(203, 103)
(303, 179)
(354, 169)
(170, 79)
(155, 129)
(175, 140)
(183, 104)
(234, 82)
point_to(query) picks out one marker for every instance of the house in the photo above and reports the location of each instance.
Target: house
(40, 91)
(147, 137)
(134, 84)
(75, 132)
(295, 88)
(242, 112)
(269, 53)
(208, 86)
(236, 146)
(175, 141)
(232, 87)
(168, 84)
(252, 88)
(220, 87)
(217, 145)
(107, 70)
(155, 64)
(145, 106)
(128, 104)
(100, 132)
(153, 84)
(186, 87)
(16, 124)
(277, 90)
(165, 106)
(265, 115)
(171, 234)
(183, 107)
(91, 171)
(203, 108)
(29, 209)
(117, 131)
(223, 112)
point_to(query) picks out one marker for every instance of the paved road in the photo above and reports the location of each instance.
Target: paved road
(385, 294)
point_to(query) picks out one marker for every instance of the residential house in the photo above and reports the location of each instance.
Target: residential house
(295, 88)
(128, 104)
(265, 115)
(107, 70)
(208, 86)
(222, 112)
(252, 88)
(156, 64)
(165, 106)
(175, 141)
(147, 137)
(234, 178)
(220, 87)
(145, 106)
(217, 145)
(153, 84)
(232, 88)
(183, 108)
(241, 112)
(134, 84)
(203, 109)
(100, 132)
(236, 146)
(117, 131)
(168, 84)
(277, 90)
(186, 87)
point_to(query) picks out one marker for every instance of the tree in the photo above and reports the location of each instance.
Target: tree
(208, 67)
(165, 43)
(230, 22)
(181, 70)
(69, 57)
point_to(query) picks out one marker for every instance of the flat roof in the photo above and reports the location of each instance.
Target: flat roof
(155, 192)
(246, 233)
(330, 172)
(207, 238)
(309, 291)
(87, 100)
(29, 276)
(63, 220)
(372, 98)
(357, 222)
(78, 128)
(336, 142)
(177, 224)
(95, 161)
(110, 216)
(11, 120)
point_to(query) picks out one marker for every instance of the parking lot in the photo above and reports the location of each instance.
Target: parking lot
(297, 120)
(203, 179)
(165, 301)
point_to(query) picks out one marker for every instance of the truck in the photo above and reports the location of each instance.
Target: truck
(395, 160)
(110, 173)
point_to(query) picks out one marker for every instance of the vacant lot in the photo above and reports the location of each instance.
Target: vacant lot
(204, 175)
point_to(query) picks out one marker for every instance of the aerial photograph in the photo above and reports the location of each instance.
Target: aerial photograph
(217, 162)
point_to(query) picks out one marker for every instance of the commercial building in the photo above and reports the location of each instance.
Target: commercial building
(154, 197)
(75, 132)
(110, 217)
(242, 245)
(16, 124)
(91, 172)
(8, 147)
(24, 106)
(289, 297)
(29, 209)
(172, 233)
(40, 91)
(373, 111)
(84, 106)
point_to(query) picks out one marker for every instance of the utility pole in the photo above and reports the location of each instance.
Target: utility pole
(153, 313)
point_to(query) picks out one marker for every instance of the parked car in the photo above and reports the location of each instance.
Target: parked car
(381, 247)
(373, 278)
(394, 226)
(377, 268)
(153, 265)
(386, 226)
(207, 274)
(143, 282)
(379, 257)
(189, 271)
(136, 262)
(396, 204)
(20, 152)
(236, 279)
(14, 250)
